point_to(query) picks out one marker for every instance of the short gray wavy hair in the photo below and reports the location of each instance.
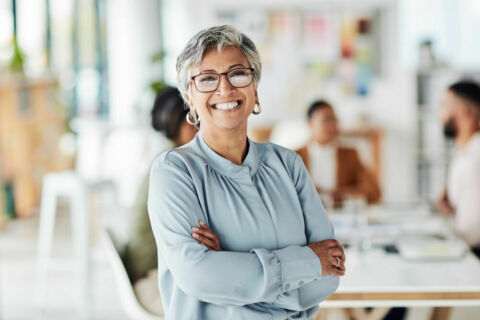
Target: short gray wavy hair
(221, 37)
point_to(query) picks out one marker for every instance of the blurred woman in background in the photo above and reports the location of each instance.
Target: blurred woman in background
(168, 117)
(336, 170)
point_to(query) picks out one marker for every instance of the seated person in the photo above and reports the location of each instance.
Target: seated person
(336, 170)
(168, 117)
(460, 115)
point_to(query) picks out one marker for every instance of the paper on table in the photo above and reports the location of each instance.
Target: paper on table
(431, 248)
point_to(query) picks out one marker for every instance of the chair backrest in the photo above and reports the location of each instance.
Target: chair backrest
(131, 305)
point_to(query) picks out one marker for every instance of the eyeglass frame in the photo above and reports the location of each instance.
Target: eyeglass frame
(220, 76)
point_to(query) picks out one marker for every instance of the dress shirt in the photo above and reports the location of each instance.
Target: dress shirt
(323, 165)
(464, 191)
(263, 211)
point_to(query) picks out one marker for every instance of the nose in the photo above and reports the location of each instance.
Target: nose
(224, 87)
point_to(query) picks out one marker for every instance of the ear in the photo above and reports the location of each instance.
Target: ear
(190, 102)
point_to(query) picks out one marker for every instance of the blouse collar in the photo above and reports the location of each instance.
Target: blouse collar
(225, 166)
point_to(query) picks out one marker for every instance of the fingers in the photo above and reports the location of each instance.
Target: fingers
(338, 268)
(336, 262)
(335, 248)
(337, 252)
(332, 256)
(340, 265)
(332, 266)
(340, 272)
(206, 232)
(206, 237)
(332, 270)
(332, 243)
(205, 241)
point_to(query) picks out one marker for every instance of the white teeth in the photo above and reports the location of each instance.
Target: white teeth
(226, 105)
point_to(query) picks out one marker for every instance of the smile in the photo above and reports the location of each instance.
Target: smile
(227, 105)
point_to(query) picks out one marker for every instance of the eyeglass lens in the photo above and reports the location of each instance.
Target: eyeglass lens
(238, 78)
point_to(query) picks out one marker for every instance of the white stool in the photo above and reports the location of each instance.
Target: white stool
(70, 185)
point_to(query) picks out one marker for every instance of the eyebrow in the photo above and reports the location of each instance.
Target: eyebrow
(231, 67)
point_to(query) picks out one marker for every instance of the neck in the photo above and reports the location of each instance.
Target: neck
(230, 145)
(466, 134)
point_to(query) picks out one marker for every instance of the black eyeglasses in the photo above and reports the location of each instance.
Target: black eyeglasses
(209, 81)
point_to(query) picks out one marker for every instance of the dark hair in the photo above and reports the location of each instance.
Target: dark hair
(168, 112)
(468, 90)
(317, 105)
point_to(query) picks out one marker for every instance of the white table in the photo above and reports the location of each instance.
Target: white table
(375, 278)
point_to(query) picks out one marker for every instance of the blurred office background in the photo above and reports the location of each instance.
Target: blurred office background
(78, 79)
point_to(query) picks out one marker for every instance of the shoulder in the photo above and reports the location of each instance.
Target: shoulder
(348, 153)
(347, 150)
(184, 159)
(270, 152)
(303, 151)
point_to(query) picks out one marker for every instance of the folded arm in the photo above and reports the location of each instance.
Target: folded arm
(226, 278)
(318, 229)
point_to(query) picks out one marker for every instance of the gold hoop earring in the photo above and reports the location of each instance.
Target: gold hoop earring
(257, 109)
(192, 118)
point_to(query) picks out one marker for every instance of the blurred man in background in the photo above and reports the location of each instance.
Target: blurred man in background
(460, 116)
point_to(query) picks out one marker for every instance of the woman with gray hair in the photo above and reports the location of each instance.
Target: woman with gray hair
(240, 230)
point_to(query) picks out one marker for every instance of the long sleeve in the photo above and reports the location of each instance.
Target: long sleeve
(317, 228)
(225, 277)
(467, 205)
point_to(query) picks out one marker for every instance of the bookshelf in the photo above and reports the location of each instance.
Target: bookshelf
(31, 125)
(433, 152)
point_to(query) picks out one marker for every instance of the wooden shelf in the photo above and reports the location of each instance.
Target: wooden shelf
(31, 125)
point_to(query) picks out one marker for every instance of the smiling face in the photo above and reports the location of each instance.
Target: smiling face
(227, 108)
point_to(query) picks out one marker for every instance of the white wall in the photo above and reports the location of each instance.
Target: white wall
(453, 26)
(133, 36)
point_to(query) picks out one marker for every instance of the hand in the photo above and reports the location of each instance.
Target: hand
(206, 237)
(443, 205)
(331, 255)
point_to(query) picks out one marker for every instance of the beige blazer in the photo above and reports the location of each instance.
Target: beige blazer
(352, 176)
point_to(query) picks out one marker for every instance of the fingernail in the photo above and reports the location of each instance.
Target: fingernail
(201, 222)
(194, 228)
(195, 235)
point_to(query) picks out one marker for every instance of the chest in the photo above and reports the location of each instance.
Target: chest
(462, 171)
(248, 212)
(323, 167)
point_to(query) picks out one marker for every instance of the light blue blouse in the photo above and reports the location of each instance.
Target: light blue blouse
(264, 212)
